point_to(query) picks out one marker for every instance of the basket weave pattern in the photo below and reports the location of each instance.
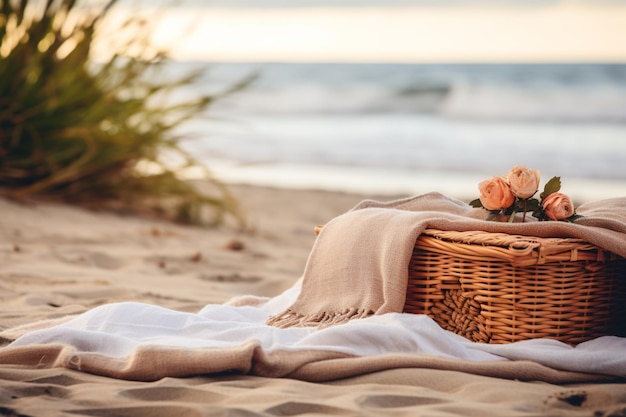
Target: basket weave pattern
(500, 288)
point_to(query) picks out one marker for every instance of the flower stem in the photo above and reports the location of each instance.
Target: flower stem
(524, 214)
(512, 217)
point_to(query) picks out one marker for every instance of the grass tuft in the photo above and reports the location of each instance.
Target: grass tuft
(78, 131)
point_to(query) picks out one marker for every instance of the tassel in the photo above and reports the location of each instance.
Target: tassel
(290, 318)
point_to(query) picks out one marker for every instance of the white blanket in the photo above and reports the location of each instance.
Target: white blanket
(114, 333)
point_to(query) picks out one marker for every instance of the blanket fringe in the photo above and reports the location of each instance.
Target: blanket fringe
(289, 318)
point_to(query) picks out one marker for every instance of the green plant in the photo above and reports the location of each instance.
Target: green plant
(77, 130)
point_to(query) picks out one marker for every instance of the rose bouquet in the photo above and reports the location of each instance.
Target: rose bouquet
(513, 193)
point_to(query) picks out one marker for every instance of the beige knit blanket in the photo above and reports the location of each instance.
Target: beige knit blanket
(358, 266)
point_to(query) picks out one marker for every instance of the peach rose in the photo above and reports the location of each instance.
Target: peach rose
(558, 206)
(495, 194)
(524, 181)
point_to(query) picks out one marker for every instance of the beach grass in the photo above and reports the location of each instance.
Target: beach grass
(78, 130)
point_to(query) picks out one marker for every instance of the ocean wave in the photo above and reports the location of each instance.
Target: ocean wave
(473, 102)
(602, 104)
(526, 93)
(322, 100)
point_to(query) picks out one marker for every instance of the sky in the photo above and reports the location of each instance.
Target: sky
(395, 30)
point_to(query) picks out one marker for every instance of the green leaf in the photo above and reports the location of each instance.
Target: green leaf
(476, 203)
(540, 215)
(551, 186)
(573, 218)
(533, 205)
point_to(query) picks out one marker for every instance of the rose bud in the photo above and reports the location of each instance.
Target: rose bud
(495, 194)
(524, 181)
(558, 206)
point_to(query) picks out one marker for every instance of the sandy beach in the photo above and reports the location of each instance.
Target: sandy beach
(58, 260)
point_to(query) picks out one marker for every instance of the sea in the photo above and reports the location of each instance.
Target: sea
(407, 129)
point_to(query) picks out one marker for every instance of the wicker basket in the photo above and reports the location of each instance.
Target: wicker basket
(500, 288)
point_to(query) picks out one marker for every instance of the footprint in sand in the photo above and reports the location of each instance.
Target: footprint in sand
(173, 265)
(397, 401)
(83, 257)
(60, 379)
(37, 391)
(230, 277)
(140, 411)
(173, 394)
(293, 408)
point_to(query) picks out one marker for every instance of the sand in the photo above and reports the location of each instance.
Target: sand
(57, 260)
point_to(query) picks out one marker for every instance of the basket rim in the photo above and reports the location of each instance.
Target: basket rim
(519, 250)
(502, 238)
